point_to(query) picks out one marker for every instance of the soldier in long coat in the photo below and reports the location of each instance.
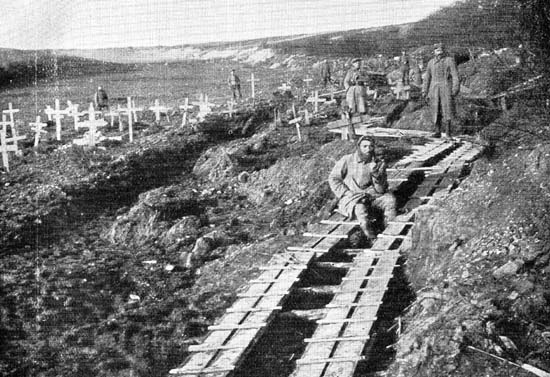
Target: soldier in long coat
(355, 91)
(441, 85)
(360, 183)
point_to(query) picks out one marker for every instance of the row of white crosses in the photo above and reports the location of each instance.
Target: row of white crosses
(8, 144)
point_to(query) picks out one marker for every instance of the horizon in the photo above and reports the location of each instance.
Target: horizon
(103, 24)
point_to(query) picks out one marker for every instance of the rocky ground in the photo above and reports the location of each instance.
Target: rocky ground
(117, 258)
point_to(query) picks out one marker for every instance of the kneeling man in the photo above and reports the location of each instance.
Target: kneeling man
(360, 183)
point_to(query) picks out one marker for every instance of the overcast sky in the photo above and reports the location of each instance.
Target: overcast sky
(35, 24)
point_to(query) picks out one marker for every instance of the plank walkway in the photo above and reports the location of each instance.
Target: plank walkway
(337, 344)
(245, 321)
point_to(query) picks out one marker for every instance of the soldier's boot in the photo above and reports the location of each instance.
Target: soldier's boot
(368, 228)
(448, 130)
(389, 215)
(437, 133)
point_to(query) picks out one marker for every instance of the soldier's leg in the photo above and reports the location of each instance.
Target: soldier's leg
(448, 130)
(437, 125)
(362, 215)
(388, 204)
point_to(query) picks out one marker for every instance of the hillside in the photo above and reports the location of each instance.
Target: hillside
(489, 24)
(19, 67)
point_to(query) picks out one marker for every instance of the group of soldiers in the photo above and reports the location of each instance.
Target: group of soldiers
(439, 85)
(359, 179)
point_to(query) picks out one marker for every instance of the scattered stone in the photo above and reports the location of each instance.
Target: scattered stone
(508, 269)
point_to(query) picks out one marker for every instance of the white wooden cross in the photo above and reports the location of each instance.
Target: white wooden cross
(307, 120)
(315, 100)
(285, 87)
(204, 106)
(158, 109)
(37, 127)
(113, 114)
(11, 111)
(92, 125)
(230, 109)
(130, 110)
(49, 112)
(5, 145)
(72, 111)
(253, 85)
(185, 107)
(58, 114)
(135, 110)
(297, 121)
(92, 112)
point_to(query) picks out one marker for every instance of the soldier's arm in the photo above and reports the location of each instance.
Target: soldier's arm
(454, 75)
(336, 178)
(380, 177)
(427, 79)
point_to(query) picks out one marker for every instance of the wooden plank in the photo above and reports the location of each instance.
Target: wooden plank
(185, 371)
(325, 235)
(329, 360)
(254, 309)
(337, 339)
(265, 294)
(237, 327)
(346, 320)
(312, 249)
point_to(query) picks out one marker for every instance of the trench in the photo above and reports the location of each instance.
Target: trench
(276, 351)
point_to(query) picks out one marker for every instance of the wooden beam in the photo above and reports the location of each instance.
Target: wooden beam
(245, 326)
(325, 235)
(253, 310)
(347, 320)
(330, 360)
(337, 339)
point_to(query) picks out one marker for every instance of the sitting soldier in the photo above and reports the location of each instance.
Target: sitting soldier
(360, 183)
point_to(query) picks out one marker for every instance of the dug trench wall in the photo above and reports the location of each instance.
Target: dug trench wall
(479, 264)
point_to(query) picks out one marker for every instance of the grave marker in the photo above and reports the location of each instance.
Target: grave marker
(315, 100)
(49, 112)
(252, 81)
(130, 110)
(91, 112)
(57, 115)
(5, 145)
(92, 125)
(158, 110)
(72, 110)
(185, 107)
(297, 121)
(37, 127)
(113, 114)
(10, 112)
(231, 109)
(285, 87)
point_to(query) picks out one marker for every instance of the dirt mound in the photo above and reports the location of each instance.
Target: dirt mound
(155, 213)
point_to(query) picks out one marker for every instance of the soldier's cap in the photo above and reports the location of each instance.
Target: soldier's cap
(356, 60)
(439, 46)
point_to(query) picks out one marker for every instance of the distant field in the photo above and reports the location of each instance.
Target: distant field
(170, 83)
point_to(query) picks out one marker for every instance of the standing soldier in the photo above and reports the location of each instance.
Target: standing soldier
(441, 85)
(325, 73)
(355, 91)
(101, 100)
(235, 84)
